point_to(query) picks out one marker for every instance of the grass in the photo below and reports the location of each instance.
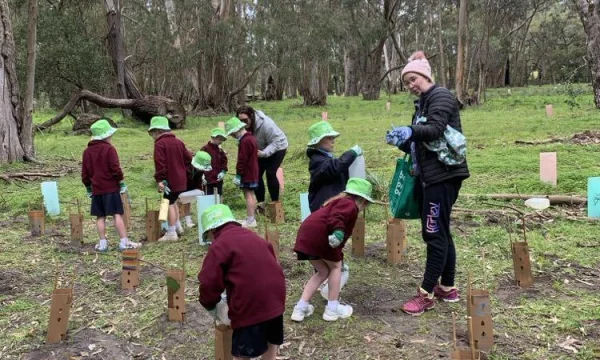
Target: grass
(528, 324)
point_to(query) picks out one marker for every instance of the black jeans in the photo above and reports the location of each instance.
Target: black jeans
(269, 165)
(436, 203)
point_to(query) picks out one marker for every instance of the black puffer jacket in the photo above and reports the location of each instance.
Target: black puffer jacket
(328, 176)
(440, 108)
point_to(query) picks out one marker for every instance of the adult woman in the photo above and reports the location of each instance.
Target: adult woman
(438, 182)
(272, 145)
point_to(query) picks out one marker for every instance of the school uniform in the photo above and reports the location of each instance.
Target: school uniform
(101, 170)
(328, 175)
(244, 265)
(312, 241)
(171, 162)
(247, 162)
(218, 164)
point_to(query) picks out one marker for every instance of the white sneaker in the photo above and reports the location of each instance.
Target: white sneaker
(129, 245)
(342, 312)
(299, 314)
(179, 230)
(246, 224)
(169, 237)
(190, 225)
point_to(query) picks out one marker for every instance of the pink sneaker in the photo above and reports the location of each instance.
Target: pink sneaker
(451, 296)
(419, 304)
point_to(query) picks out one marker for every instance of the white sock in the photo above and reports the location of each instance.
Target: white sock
(188, 219)
(124, 241)
(302, 304)
(172, 229)
(178, 224)
(249, 219)
(333, 305)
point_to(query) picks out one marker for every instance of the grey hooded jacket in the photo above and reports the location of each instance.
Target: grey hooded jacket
(268, 135)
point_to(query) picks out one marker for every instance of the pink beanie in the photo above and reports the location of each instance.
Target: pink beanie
(417, 63)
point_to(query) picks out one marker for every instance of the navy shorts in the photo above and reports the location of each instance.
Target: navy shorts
(304, 256)
(249, 185)
(107, 204)
(173, 196)
(252, 341)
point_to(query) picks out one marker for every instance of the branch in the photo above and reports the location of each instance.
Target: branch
(238, 90)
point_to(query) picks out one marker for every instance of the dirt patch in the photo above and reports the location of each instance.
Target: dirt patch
(92, 344)
(9, 282)
(197, 328)
(586, 137)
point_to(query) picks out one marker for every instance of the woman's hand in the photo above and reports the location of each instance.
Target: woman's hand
(398, 136)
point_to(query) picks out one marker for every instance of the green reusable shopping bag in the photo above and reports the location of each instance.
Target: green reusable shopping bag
(403, 203)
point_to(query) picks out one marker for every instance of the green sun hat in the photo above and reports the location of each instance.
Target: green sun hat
(216, 216)
(159, 123)
(234, 124)
(359, 187)
(101, 130)
(318, 131)
(201, 161)
(218, 132)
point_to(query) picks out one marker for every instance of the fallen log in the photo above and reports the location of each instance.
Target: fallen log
(143, 108)
(541, 142)
(554, 199)
(26, 175)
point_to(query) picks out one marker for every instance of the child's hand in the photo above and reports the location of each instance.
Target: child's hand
(161, 187)
(221, 176)
(237, 180)
(261, 154)
(357, 150)
(123, 188)
(89, 191)
(204, 182)
(336, 238)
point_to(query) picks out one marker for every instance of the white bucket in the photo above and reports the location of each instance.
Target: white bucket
(538, 203)
(190, 196)
(345, 277)
(358, 168)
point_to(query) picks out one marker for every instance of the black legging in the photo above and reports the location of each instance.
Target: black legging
(269, 165)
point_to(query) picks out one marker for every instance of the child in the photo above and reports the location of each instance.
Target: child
(328, 175)
(214, 178)
(321, 239)
(102, 176)
(171, 161)
(247, 166)
(233, 262)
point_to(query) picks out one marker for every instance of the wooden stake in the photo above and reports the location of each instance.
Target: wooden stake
(223, 342)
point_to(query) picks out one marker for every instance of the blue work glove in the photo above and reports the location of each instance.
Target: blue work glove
(123, 187)
(237, 180)
(204, 182)
(336, 238)
(398, 136)
(221, 176)
(89, 191)
(357, 150)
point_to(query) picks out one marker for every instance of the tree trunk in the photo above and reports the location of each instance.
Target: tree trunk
(11, 110)
(350, 72)
(460, 57)
(443, 80)
(126, 85)
(372, 78)
(589, 13)
(145, 107)
(315, 76)
(26, 135)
